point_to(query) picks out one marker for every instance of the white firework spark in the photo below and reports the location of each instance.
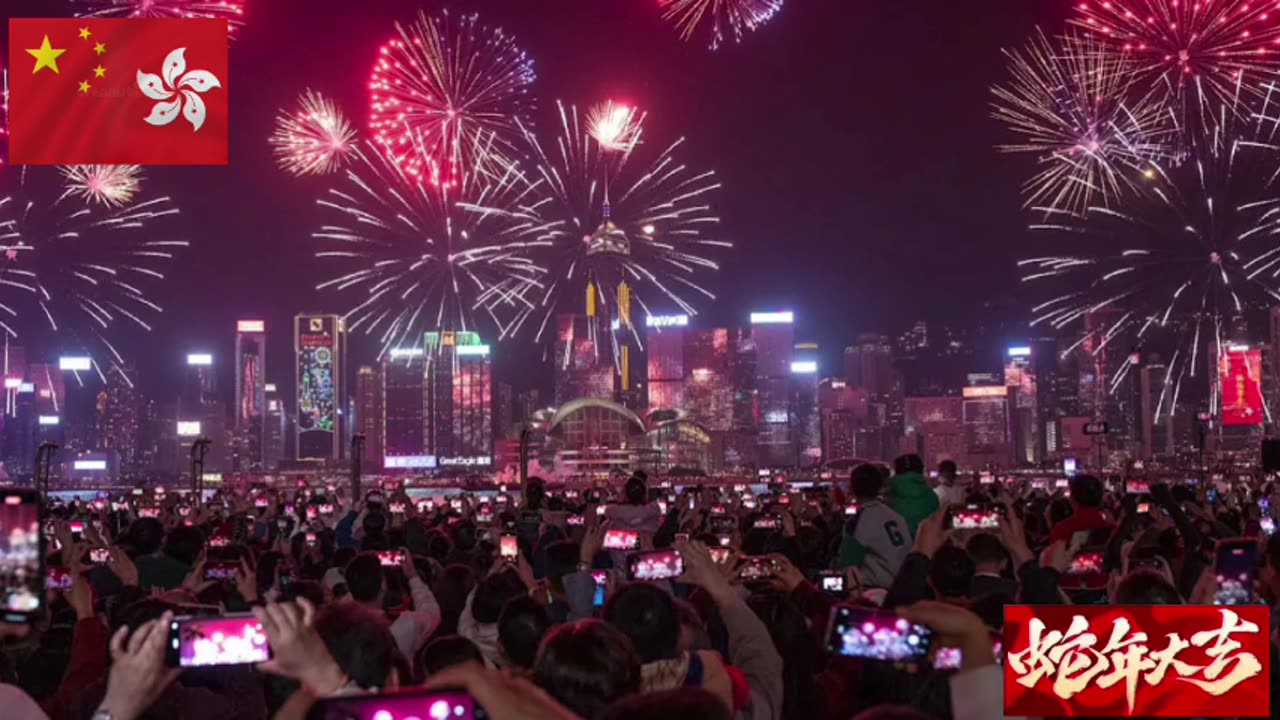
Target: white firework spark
(719, 20)
(315, 139)
(110, 185)
(230, 10)
(616, 127)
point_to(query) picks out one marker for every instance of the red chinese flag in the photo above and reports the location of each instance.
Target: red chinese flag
(118, 92)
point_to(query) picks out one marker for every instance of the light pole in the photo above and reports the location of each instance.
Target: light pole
(357, 457)
(198, 448)
(44, 467)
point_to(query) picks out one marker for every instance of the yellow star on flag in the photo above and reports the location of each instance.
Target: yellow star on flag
(84, 87)
(99, 71)
(100, 48)
(46, 56)
(84, 33)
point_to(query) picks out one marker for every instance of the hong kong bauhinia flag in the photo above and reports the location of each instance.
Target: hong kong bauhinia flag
(118, 92)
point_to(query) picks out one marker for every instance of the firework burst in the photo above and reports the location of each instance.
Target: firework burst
(1204, 54)
(230, 10)
(615, 127)
(445, 93)
(430, 258)
(620, 218)
(718, 20)
(314, 139)
(1175, 268)
(1068, 102)
(4, 113)
(77, 273)
(110, 185)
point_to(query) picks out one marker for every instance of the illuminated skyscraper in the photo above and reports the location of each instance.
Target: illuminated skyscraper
(369, 416)
(665, 338)
(1157, 434)
(275, 425)
(459, 400)
(806, 418)
(404, 410)
(251, 382)
(118, 421)
(1020, 378)
(319, 343)
(583, 359)
(773, 336)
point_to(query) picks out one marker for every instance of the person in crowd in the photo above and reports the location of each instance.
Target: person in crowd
(876, 539)
(949, 489)
(522, 624)
(587, 665)
(153, 553)
(909, 493)
(990, 567)
(367, 581)
(479, 619)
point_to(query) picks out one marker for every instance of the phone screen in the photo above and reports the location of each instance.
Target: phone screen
(417, 703)
(833, 583)
(757, 568)
(390, 558)
(873, 634)
(509, 548)
(850, 510)
(1062, 483)
(576, 520)
(975, 516)
(1085, 563)
(766, 523)
(950, 658)
(57, 578)
(723, 524)
(658, 565)
(621, 540)
(99, 555)
(719, 554)
(1137, 487)
(21, 564)
(220, 570)
(1235, 571)
(224, 640)
(601, 578)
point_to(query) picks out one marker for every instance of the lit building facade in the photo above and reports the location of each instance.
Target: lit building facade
(806, 416)
(369, 414)
(319, 350)
(404, 408)
(275, 428)
(118, 418)
(773, 337)
(1020, 378)
(935, 428)
(459, 400)
(250, 400)
(986, 426)
(583, 359)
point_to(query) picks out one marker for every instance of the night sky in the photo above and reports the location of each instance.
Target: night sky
(852, 137)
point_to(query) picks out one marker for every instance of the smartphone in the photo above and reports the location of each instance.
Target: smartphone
(219, 541)
(1085, 563)
(1235, 570)
(757, 568)
(832, 581)
(749, 503)
(986, 478)
(723, 524)
(99, 555)
(396, 508)
(577, 520)
(509, 547)
(601, 510)
(766, 523)
(974, 516)
(148, 512)
(456, 504)
(1144, 508)
(850, 510)
(720, 555)
(136, 491)
(55, 578)
(390, 558)
(621, 540)
(662, 506)
(221, 570)
(950, 658)
(1137, 487)
(601, 578)
(261, 502)
(1268, 525)
(21, 562)
(1211, 495)
(374, 497)
(215, 641)
(874, 634)
(1264, 504)
(77, 530)
(401, 705)
(1039, 484)
(657, 565)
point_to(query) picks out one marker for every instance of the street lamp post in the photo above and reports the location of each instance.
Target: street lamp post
(44, 467)
(198, 449)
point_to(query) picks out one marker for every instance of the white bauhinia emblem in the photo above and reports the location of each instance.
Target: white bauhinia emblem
(177, 81)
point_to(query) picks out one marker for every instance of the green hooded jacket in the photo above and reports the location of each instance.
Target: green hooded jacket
(910, 495)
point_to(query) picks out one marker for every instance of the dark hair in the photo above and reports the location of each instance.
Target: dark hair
(1146, 587)
(1060, 509)
(184, 544)
(586, 666)
(647, 616)
(146, 535)
(438, 545)
(309, 589)
(951, 572)
(687, 703)
(789, 630)
(343, 556)
(866, 481)
(364, 577)
(985, 549)
(359, 639)
(464, 536)
(561, 559)
(947, 468)
(908, 463)
(446, 652)
(535, 491)
(493, 593)
(1087, 491)
(635, 491)
(521, 627)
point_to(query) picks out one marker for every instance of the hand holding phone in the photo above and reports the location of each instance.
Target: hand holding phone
(390, 558)
(874, 634)
(225, 640)
(1235, 571)
(621, 540)
(974, 516)
(657, 565)
(509, 548)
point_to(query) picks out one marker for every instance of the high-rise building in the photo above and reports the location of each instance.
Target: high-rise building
(583, 359)
(935, 429)
(806, 416)
(459, 400)
(665, 348)
(404, 409)
(844, 411)
(773, 335)
(741, 450)
(528, 403)
(274, 429)
(369, 414)
(986, 426)
(319, 343)
(503, 410)
(250, 402)
(1156, 412)
(1020, 377)
(118, 417)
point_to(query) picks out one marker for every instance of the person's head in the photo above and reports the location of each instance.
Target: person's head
(184, 544)
(865, 482)
(146, 535)
(464, 536)
(687, 703)
(521, 627)
(586, 666)
(1060, 509)
(309, 589)
(493, 593)
(359, 639)
(1086, 491)
(561, 558)
(365, 579)
(693, 630)
(445, 652)
(1145, 586)
(789, 629)
(947, 470)
(908, 464)
(647, 615)
(988, 553)
(636, 491)
(951, 572)
(535, 491)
